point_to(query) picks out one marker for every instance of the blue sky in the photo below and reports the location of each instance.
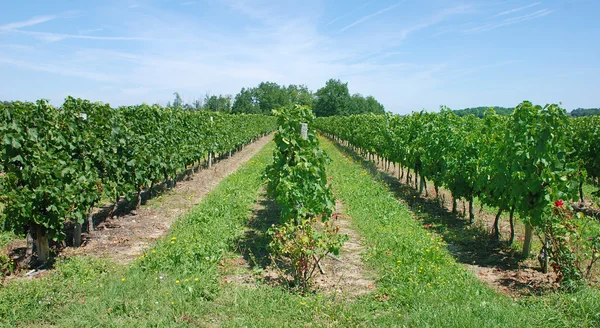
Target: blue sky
(408, 54)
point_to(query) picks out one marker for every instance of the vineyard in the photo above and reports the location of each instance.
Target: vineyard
(60, 163)
(338, 222)
(530, 162)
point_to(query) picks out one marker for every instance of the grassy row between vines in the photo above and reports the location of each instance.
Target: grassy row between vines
(170, 285)
(178, 283)
(422, 282)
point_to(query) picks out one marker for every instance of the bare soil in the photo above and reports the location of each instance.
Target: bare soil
(122, 239)
(346, 273)
(249, 263)
(496, 263)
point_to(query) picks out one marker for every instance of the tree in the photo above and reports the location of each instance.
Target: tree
(177, 102)
(218, 103)
(585, 112)
(333, 99)
(480, 111)
(198, 104)
(245, 102)
(373, 106)
(225, 103)
(300, 95)
(357, 104)
(270, 96)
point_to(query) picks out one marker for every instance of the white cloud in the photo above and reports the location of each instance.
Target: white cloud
(30, 22)
(435, 19)
(476, 69)
(17, 47)
(59, 68)
(367, 17)
(89, 31)
(510, 21)
(512, 11)
(53, 37)
(184, 54)
(349, 13)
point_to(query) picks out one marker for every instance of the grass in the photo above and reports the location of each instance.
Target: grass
(5, 237)
(588, 189)
(177, 283)
(6, 265)
(170, 285)
(421, 281)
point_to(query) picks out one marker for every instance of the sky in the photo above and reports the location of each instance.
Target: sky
(408, 54)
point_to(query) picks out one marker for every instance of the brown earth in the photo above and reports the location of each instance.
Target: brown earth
(123, 238)
(494, 262)
(249, 263)
(346, 274)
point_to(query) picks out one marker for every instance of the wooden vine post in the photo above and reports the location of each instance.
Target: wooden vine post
(303, 131)
(210, 154)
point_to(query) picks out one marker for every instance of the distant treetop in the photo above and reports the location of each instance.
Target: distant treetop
(332, 99)
(585, 112)
(480, 111)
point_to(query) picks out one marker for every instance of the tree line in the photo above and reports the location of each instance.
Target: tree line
(480, 111)
(332, 99)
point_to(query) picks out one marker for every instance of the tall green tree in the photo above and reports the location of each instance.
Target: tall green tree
(300, 95)
(270, 96)
(333, 99)
(177, 102)
(245, 102)
(361, 105)
(373, 106)
(218, 103)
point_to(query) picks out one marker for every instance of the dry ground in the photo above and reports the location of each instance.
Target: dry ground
(122, 238)
(249, 263)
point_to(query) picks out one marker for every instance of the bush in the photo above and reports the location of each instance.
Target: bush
(297, 180)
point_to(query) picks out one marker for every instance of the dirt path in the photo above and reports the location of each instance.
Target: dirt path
(495, 263)
(345, 275)
(124, 238)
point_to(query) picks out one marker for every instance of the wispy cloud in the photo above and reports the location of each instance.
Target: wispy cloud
(367, 17)
(511, 11)
(60, 69)
(284, 43)
(17, 47)
(523, 18)
(349, 13)
(53, 37)
(93, 30)
(433, 20)
(30, 22)
(476, 69)
(17, 27)
(99, 54)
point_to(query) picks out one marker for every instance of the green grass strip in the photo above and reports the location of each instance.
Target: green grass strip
(176, 283)
(170, 285)
(421, 283)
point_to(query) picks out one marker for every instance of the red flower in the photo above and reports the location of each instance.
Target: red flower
(559, 203)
